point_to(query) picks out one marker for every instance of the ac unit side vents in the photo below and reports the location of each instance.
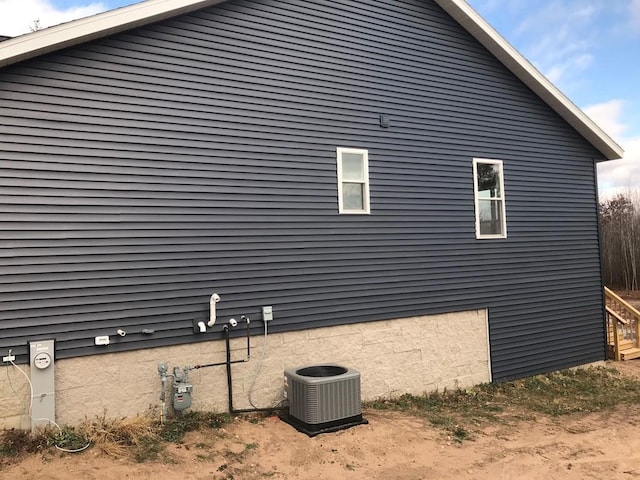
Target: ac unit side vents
(323, 398)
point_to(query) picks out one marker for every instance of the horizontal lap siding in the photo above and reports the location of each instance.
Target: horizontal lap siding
(142, 172)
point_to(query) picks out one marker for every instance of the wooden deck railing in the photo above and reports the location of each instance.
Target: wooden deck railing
(623, 327)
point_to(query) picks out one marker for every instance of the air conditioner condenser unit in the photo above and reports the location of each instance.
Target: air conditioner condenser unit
(323, 398)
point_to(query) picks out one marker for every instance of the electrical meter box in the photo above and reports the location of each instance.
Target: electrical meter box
(41, 359)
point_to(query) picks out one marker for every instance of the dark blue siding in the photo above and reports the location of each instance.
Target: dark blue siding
(142, 172)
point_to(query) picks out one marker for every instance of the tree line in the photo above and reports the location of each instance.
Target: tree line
(620, 231)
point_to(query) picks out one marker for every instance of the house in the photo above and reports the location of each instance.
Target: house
(408, 194)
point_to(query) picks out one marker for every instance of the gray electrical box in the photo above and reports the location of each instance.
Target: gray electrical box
(42, 359)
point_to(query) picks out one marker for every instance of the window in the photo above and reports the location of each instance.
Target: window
(353, 180)
(489, 196)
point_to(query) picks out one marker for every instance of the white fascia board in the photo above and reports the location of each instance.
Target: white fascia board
(531, 76)
(96, 26)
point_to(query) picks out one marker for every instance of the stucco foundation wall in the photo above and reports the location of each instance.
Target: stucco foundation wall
(409, 355)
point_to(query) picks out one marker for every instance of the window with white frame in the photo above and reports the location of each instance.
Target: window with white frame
(353, 180)
(488, 186)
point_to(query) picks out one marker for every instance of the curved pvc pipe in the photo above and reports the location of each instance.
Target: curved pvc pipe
(215, 298)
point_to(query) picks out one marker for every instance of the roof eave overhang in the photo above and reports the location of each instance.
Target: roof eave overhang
(96, 26)
(530, 76)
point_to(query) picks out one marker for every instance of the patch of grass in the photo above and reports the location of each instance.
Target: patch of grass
(206, 457)
(115, 438)
(141, 438)
(14, 443)
(554, 394)
(460, 434)
(67, 439)
(239, 457)
(175, 430)
(150, 449)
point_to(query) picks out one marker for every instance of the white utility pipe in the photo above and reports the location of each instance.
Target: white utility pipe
(215, 298)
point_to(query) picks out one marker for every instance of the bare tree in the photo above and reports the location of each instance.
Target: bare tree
(620, 221)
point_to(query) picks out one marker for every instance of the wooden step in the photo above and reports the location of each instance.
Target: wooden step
(630, 354)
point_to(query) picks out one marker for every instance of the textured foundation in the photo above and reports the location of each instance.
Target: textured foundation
(409, 355)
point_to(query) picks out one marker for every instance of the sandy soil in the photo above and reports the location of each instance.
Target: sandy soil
(393, 446)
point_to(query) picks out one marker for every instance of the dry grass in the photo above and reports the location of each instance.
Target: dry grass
(460, 412)
(15, 442)
(123, 437)
(140, 438)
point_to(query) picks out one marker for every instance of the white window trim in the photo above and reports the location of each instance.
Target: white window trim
(502, 198)
(365, 159)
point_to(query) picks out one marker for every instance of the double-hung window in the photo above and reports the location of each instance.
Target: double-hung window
(489, 198)
(353, 180)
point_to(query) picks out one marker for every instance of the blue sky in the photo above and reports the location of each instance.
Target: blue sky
(589, 48)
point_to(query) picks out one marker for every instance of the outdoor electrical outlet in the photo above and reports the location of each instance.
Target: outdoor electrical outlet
(9, 358)
(267, 314)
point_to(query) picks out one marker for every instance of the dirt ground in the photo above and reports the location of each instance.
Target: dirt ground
(392, 446)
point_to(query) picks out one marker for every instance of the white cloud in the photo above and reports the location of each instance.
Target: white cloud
(635, 12)
(18, 15)
(618, 175)
(565, 33)
(607, 116)
(572, 63)
(621, 175)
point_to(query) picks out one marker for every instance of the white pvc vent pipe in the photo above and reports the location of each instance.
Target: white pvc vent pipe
(215, 298)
